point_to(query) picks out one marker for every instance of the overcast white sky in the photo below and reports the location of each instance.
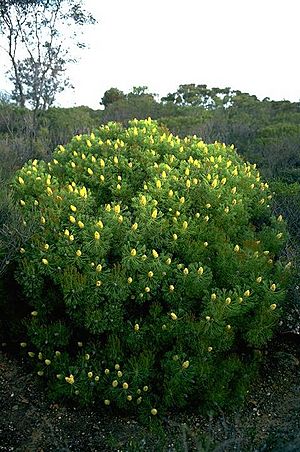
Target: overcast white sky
(251, 45)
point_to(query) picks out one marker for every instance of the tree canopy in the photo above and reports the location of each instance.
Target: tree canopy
(32, 38)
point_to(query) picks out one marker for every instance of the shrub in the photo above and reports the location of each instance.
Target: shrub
(154, 274)
(14, 232)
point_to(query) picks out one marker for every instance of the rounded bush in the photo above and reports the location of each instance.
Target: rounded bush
(153, 274)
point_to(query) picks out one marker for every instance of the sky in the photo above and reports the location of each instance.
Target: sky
(250, 45)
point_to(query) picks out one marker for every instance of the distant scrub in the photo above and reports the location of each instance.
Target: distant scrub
(154, 273)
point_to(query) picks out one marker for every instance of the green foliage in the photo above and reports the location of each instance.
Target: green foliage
(61, 124)
(154, 271)
(201, 96)
(14, 232)
(112, 95)
(133, 106)
(36, 48)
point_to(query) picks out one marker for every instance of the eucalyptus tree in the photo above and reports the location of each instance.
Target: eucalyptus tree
(40, 38)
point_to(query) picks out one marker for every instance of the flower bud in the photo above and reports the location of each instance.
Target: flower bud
(70, 379)
(117, 209)
(143, 200)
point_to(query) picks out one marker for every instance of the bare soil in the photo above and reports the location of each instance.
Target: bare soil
(269, 421)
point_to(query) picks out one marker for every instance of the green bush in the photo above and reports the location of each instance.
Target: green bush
(14, 232)
(154, 274)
